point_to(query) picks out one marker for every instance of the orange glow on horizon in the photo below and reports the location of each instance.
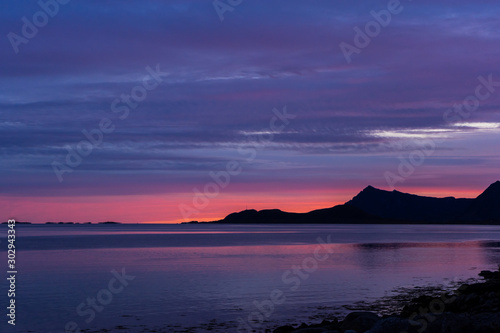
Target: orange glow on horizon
(156, 209)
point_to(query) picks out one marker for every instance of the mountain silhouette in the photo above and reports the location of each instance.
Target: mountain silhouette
(373, 206)
(486, 207)
(336, 214)
(409, 207)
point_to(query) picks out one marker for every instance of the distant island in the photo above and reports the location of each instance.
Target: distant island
(17, 222)
(375, 206)
(108, 222)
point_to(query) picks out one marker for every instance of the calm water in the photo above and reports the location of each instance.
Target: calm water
(189, 278)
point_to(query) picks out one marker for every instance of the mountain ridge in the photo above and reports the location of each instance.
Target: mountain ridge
(376, 206)
(409, 207)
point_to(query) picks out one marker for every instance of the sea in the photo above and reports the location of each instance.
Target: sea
(225, 278)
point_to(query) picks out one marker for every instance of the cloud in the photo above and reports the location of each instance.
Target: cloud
(224, 80)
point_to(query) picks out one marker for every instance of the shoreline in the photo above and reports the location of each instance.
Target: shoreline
(469, 308)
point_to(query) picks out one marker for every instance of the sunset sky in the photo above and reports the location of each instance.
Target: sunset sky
(349, 125)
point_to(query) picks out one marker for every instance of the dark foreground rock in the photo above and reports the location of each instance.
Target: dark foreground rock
(471, 308)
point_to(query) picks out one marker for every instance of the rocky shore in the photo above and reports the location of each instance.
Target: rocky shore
(470, 308)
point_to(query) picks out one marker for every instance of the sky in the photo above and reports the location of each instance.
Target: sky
(169, 111)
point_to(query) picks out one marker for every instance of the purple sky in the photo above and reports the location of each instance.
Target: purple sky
(352, 120)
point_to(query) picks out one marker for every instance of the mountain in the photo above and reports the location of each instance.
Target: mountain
(486, 207)
(373, 205)
(409, 207)
(413, 208)
(337, 214)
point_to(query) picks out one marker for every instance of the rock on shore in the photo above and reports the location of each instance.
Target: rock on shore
(470, 308)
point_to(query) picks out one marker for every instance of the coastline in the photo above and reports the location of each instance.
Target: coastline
(470, 308)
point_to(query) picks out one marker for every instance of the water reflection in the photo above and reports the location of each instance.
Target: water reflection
(185, 279)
